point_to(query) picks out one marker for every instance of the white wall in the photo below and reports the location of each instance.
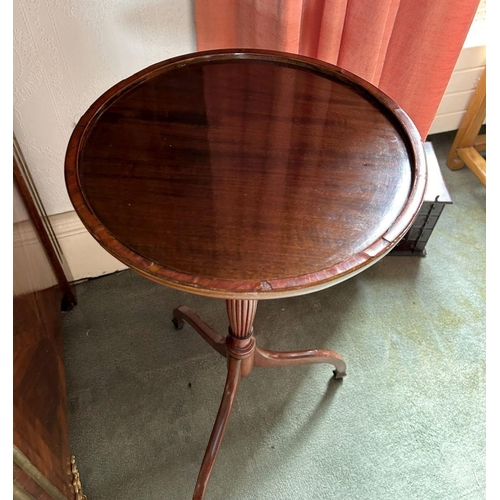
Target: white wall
(67, 53)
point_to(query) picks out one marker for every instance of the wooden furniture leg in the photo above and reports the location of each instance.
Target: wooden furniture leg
(230, 390)
(240, 349)
(467, 143)
(183, 313)
(242, 355)
(265, 358)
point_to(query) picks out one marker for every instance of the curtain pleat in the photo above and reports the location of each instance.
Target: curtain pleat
(426, 41)
(331, 28)
(365, 37)
(217, 25)
(408, 48)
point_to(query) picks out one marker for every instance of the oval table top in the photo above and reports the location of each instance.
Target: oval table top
(246, 173)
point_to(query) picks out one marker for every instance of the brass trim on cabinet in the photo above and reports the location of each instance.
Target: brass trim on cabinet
(23, 461)
(20, 494)
(77, 484)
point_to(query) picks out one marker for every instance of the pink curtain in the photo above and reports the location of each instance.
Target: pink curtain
(407, 48)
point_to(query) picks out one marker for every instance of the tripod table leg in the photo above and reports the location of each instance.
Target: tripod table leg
(217, 341)
(265, 358)
(230, 390)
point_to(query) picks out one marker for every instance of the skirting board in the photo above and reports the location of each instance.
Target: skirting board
(85, 257)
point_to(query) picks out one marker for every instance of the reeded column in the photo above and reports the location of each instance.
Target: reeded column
(241, 315)
(240, 341)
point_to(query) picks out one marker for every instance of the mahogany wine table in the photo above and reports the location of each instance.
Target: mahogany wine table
(245, 175)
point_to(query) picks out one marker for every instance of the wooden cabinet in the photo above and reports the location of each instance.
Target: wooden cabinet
(42, 457)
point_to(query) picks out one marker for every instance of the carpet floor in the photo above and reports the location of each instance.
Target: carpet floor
(407, 422)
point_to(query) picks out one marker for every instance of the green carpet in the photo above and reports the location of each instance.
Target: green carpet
(408, 421)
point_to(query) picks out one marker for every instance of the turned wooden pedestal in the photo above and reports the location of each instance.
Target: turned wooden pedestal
(242, 353)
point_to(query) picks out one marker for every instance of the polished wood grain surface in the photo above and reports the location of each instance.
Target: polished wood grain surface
(39, 404)
(254, 174)
(40, 418)
(28, 485)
